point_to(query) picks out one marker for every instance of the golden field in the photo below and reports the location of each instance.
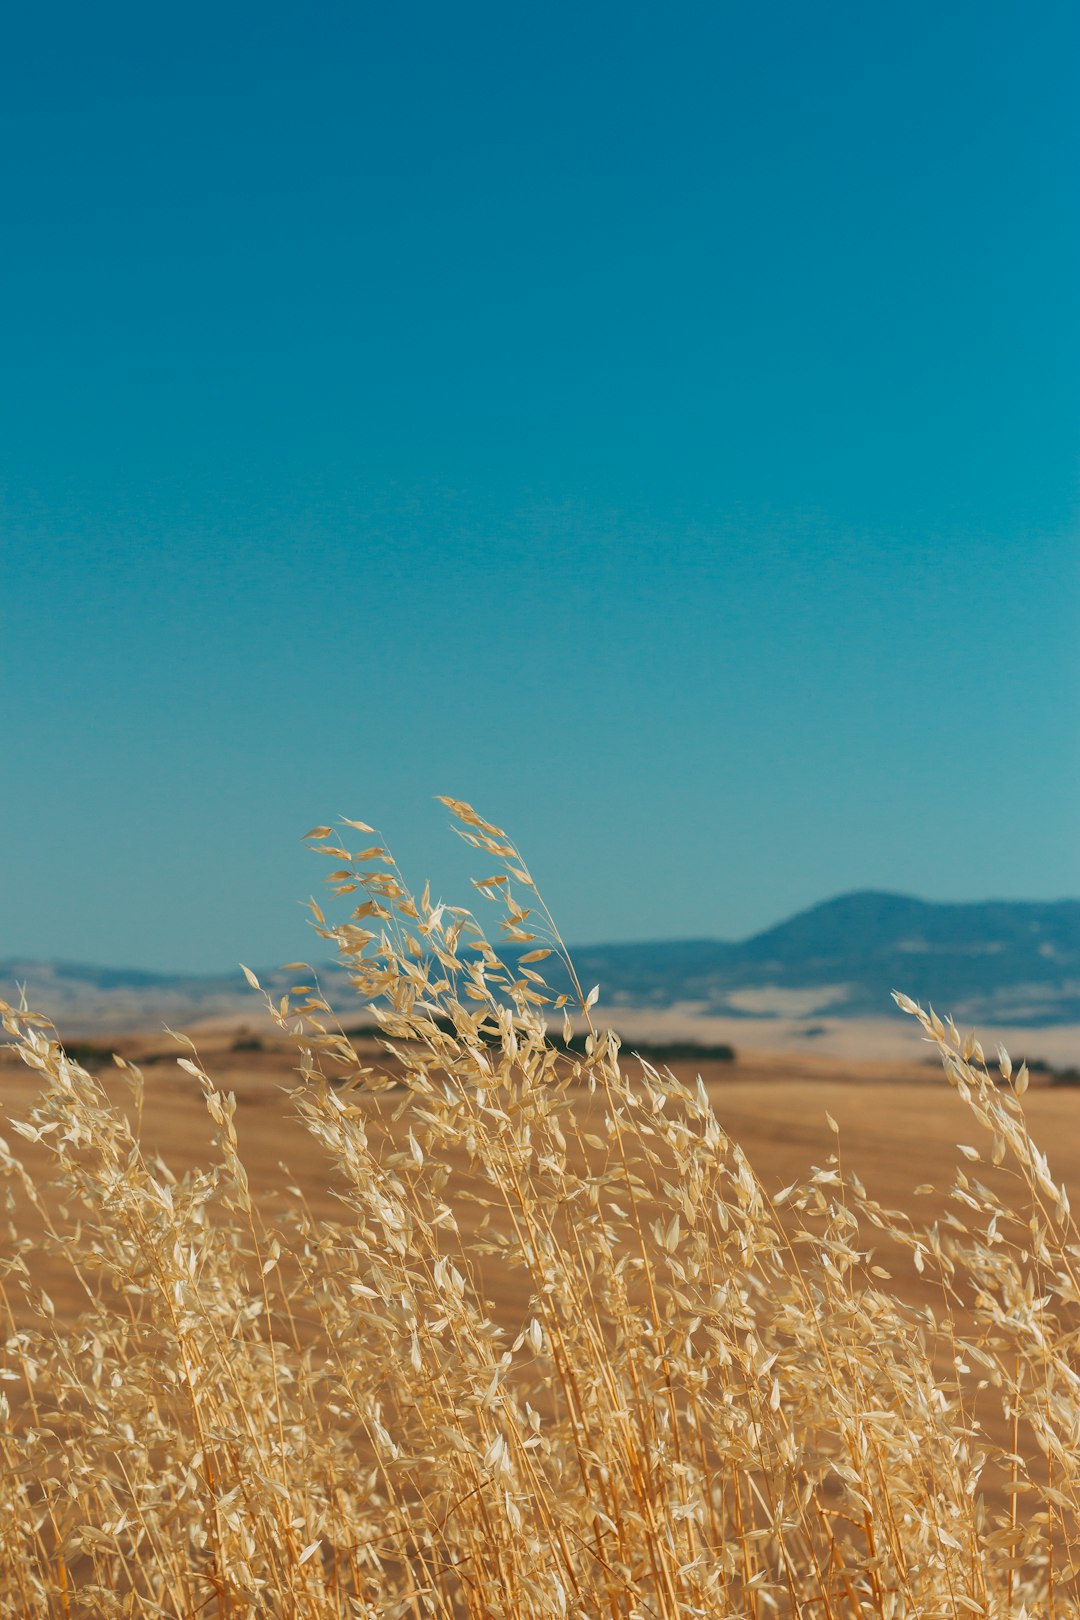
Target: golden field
(462, 1323)
(899, 1122)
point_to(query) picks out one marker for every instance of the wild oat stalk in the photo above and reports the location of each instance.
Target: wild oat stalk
(709, 1403)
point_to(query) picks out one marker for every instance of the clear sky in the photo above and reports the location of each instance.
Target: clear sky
(657, 425)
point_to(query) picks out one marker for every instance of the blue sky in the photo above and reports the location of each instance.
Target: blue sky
(657, 426)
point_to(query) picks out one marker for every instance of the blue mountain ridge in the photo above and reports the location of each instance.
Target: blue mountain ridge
(997, 961)
(992, 961)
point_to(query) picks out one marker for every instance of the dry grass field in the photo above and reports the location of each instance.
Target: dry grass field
(899, 1126)
(467, 1324)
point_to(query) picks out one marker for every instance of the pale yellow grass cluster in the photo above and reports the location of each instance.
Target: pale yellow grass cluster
(711, 1402)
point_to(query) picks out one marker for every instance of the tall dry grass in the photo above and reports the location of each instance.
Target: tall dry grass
(712, 1402)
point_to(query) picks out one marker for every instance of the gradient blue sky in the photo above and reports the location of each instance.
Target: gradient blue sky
(656, 425)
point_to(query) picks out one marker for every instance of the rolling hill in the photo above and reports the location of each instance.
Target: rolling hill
(995, 962)
(1014, 962)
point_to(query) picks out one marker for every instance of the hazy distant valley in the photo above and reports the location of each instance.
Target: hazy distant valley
(999, 963)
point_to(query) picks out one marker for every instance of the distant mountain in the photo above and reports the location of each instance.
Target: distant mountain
(83, 998)
(998, 962)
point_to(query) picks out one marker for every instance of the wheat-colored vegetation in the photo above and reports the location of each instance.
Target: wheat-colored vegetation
(711, 1401)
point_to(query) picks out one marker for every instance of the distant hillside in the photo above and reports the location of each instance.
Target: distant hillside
(83, 998)
(1015, 962)
(998, 962)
